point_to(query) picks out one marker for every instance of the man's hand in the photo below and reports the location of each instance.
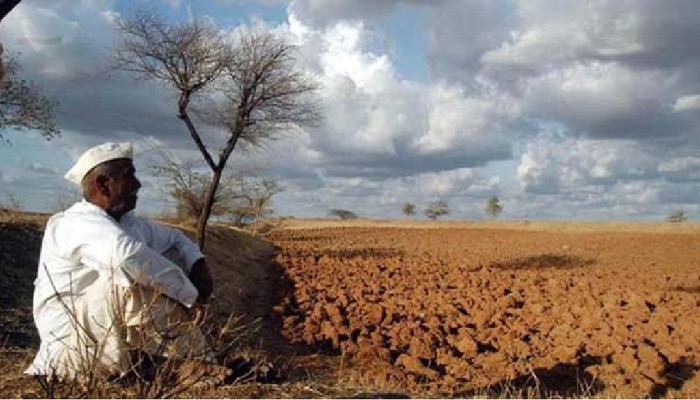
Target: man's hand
(201, 279)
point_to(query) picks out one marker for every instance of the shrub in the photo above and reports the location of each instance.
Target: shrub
(343, 214)
(493, 206)
(409, 209)
(677, 216)
(437, 209)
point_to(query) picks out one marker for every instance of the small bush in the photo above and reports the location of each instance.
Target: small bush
(409, 209)
(493, 206)
(677, 216)
(11, 209)
(437, 209)
(343, 214)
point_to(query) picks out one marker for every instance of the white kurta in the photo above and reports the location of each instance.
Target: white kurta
(84, 253)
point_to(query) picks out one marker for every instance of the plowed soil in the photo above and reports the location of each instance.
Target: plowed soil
(458, 310)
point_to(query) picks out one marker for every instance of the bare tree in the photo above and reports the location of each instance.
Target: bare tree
(186, 185)
(247, 83)
(23, 106)
(241, 197)
(255, 196)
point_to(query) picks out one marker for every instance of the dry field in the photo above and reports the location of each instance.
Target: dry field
(557, 309)
(389, 308)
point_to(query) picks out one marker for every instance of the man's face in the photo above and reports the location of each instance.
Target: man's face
(123, 187)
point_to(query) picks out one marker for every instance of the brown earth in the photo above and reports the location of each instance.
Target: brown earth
(458, 310)
(448, 309)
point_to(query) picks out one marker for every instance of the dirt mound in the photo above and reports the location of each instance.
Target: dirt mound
(20, 243)
(460, 311)
(243, 270)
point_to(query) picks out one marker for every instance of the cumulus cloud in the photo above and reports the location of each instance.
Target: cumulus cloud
(459, 32)
(377, 124)
(553, 163)
(604, 100)
(615, 178)
(321, 13)
(66, 49)
(687, 103)
(550, 34)
(606, 69)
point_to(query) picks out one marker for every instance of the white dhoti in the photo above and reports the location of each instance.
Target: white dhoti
(110, 322)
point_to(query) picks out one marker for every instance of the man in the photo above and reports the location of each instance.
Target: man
(107, 284)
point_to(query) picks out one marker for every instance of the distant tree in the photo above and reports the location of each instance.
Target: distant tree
(493, 206)
(253, 198)
(437, 209)
(242, 199)
(677, 216)
(343, 214)
(186, 185)
(409, 209)
(23, 106)
(12, 203)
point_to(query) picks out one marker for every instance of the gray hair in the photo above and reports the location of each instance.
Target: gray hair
(107, 168)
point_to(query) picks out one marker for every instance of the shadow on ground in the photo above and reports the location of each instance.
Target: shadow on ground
(676, 374)
(544, 261)
(20, 244)
(563, 380)
(693, 289)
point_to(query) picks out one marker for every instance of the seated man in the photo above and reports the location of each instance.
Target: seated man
(106, 285)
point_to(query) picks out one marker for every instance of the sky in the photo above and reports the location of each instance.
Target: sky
(569, 110)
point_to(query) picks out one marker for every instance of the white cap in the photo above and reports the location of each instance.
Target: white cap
(96, 156)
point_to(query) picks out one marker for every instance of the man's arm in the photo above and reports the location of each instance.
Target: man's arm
(149, 268)
(165, 239)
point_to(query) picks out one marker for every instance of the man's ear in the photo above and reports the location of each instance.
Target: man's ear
(101, 184)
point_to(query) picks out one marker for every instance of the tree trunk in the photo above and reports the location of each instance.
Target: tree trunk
(206, 209)
(256, 216)
(182, 108)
